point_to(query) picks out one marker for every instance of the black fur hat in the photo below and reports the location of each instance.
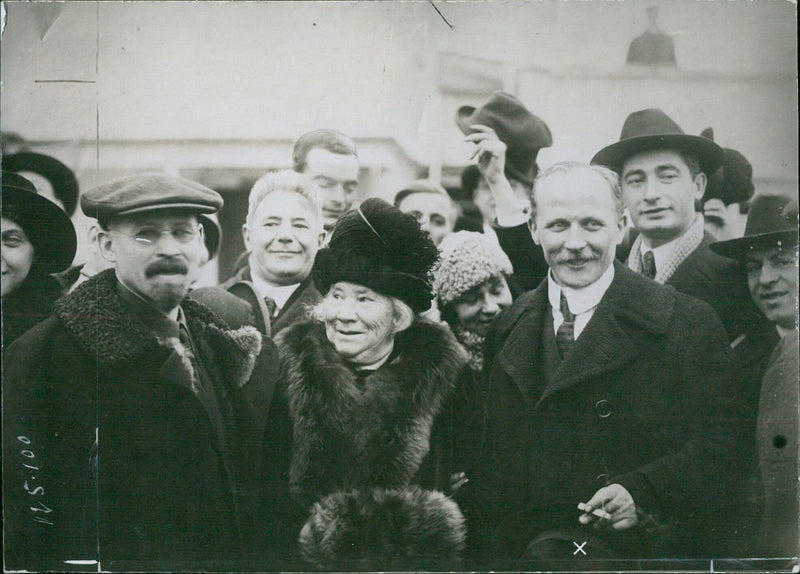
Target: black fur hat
(382, 248)
(378, 529)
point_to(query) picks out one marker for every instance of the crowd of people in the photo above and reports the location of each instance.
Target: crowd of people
(601, 371)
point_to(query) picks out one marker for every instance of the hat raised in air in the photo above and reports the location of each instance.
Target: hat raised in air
(772, 220)
(523, 133)
(148, 192)
(652, 129)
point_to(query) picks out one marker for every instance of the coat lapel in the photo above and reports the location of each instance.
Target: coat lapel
(520, 354)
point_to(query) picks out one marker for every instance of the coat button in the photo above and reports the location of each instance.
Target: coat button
(779, 441)
(602, 408)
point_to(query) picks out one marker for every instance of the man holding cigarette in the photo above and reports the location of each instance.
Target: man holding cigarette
(604, 420)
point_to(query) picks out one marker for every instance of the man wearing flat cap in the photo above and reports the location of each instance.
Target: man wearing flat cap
(508, 138)
(133, 419)
(768, 250)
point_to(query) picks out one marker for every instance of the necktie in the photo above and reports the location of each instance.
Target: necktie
(649, 265)
(272, 306)
(183, 335)
(566, 331)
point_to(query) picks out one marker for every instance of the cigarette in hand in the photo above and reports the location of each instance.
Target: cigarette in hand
(602, 514)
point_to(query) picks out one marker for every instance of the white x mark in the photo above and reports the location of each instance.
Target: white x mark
(579, 548)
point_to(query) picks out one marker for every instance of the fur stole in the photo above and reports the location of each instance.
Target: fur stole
(350, 434)
(377, 529)
(96, 316)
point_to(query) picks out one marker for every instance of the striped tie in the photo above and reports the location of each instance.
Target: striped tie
(566, 331)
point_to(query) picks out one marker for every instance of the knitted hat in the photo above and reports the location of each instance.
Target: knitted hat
(382, 248)
(467, 259)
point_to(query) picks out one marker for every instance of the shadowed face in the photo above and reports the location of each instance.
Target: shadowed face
(336, 175)
(577, 225)
(17, 256)
(773, 282)
(434, 212)
(477, 307)
(156, 254)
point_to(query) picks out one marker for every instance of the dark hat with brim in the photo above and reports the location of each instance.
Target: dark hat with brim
(47, 226)
(148, 192)
(652, 129)
(212, 233)
(380, 247)
(771, 221)
(733, 181)
(62, 178)
(523, 133)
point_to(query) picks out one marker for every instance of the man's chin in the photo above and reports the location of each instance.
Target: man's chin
(167, 296)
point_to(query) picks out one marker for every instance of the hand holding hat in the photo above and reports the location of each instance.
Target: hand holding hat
(523, 133)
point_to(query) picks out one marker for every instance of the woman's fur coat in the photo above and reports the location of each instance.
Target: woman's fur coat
(359, 441)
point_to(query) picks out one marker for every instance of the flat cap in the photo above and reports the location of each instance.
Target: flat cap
(148, 192)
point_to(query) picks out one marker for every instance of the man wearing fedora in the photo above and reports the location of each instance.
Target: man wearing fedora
(589, 438)
(508, 138)
(768, 250)
(663, 173)
(132, 428)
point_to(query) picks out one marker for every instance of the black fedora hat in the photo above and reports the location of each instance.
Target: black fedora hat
(733, 181)
(652, 129)
(62, 178)
(523, 133)
(49, 229)
(772, 220)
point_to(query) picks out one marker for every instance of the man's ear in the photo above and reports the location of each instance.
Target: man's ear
(532, 229)
(321, 239)
(246, 236)
(700, 181)
(622, 227)
(105, 243)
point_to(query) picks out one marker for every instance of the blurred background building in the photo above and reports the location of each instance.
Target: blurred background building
(218, 92)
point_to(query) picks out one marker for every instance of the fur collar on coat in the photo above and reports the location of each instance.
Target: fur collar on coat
(375, 432)
(95, 314)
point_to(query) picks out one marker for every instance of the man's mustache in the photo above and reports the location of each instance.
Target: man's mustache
(166, 266)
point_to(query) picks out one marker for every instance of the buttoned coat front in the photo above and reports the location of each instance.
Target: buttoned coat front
(638, 401)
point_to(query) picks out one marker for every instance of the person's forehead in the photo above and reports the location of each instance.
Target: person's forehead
(321, 161)
(567, 186)
(427, 202)
(653, 159)
(762, 252)
(283, 203)
(10, 225)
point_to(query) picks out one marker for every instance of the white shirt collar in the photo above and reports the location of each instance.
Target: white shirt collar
(278, 294)
(583, 299)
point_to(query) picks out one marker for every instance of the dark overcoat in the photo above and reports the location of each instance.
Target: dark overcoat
(359, 441)
(639, 401)
(109, 453)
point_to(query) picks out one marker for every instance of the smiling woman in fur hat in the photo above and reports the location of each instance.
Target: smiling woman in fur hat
(365, 380)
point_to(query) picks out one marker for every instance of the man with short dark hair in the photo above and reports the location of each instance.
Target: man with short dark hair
(663, 174)
(589, 437)
(330, 159)
(132, 429)
(430, 205)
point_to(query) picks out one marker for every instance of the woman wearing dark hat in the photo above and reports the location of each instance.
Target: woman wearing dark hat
(38, 240)
(364, 381)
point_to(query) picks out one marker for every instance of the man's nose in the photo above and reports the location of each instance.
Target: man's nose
(166, 244)
(575, 238)
(652, 189)
(490, 306)
(335, 194)
(768, 274)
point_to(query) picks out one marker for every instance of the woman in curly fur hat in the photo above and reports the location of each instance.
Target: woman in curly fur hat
(365, 380)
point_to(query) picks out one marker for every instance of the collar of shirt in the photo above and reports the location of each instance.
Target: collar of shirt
(279, 294)
(662, 253)
(582, 302)
(162, 325)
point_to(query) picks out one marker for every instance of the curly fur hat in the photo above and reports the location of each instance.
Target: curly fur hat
(379, 529)
(467, 259)
(382, 248)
